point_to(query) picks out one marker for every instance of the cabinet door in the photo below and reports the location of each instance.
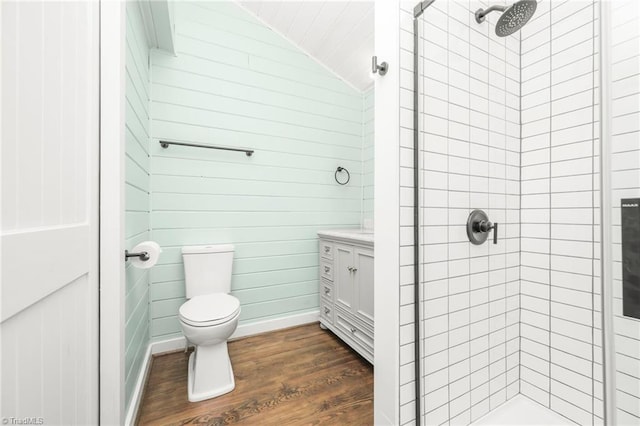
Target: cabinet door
(343, 277)
(363, 277)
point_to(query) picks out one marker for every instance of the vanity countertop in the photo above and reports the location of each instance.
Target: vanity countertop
(363, 236)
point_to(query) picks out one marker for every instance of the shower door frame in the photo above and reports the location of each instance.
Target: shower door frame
(606, 253)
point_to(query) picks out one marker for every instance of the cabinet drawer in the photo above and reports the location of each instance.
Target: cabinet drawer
(359, 334)
(326, 311)
(326, 250)
(326, 270)
(326, 290)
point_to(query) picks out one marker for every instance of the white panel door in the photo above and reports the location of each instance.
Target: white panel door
(49, 158)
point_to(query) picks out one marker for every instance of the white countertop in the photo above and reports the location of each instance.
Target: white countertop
(351, 235)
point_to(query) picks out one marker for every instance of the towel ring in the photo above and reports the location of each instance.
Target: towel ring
(342, 169)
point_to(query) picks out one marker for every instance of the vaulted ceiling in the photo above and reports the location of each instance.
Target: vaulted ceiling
(339, 34)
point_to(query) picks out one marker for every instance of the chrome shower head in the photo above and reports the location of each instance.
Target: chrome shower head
(513, 17)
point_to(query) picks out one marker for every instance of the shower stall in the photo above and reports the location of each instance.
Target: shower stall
(530, 113)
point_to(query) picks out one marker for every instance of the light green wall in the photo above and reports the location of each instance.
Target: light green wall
(137, 216)
(235, 82)
(368, 155)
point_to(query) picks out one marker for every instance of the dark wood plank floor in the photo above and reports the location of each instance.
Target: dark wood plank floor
(298, 376)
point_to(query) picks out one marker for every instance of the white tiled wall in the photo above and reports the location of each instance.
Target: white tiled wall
(560, 357)
(508, 126)
(625, 163)
(470, 154)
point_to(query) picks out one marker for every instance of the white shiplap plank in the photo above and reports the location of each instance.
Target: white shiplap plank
(355, 15)
(268, 10)
(318, 27)
(303, 22)
(286, 16)
(323, 25)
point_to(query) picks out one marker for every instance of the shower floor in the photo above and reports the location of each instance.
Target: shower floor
(520, 410)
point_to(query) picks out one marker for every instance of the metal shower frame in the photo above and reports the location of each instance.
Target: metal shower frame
(418, 10)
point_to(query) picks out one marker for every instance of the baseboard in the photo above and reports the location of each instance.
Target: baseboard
(176, 343)
(167, 345)
(136, 398)
(258, 327)
(243, 330)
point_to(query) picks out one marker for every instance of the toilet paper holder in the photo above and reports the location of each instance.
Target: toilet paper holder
(143, 255)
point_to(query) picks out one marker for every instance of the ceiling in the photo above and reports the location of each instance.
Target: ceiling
(338, 34)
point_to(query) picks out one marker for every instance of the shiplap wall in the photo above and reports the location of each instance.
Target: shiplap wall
(137, 201)
(368, 156)
(237, 83)
(625, 179)
(561, 354)
(470, 160)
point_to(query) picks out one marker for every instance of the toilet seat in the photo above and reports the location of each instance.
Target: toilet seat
(209, 310)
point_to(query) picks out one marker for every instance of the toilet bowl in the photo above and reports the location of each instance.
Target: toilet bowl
(208, 318)
(208, 321)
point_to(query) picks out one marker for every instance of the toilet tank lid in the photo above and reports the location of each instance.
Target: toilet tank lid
(211, 248)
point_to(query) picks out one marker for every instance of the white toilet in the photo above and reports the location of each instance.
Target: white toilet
(208, 318)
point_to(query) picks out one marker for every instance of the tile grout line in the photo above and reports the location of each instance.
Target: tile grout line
(550, 198)
(593, 228)
(520, 221)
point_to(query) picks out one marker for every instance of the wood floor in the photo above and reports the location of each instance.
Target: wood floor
(298, 376)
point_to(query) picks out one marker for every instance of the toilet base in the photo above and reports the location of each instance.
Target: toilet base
(209, 373)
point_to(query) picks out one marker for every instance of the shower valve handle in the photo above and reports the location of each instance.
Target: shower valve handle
(478, 226)
(483, 226)
(486, 226)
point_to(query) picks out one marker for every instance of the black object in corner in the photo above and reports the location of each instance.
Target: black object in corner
(630, 211)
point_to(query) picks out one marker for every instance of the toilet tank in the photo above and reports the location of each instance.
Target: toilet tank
(207, 269)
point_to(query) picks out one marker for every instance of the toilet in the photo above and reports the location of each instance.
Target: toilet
(208, 318)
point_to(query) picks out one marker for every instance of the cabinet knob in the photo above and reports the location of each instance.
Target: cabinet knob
(326, 269)
(327, 290)
(353, 329)
(354, 269)
(350, 268)
(326, 249)
(327, 310)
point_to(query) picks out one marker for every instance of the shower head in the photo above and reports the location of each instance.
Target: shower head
(513, 17)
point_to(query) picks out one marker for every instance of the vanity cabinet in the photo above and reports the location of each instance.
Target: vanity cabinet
(346, 288)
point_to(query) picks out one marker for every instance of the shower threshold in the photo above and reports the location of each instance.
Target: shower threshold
(521, 410)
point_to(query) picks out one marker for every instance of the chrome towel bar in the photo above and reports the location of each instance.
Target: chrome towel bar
(165, 144)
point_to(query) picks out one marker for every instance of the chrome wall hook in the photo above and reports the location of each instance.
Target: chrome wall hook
(381, 68)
